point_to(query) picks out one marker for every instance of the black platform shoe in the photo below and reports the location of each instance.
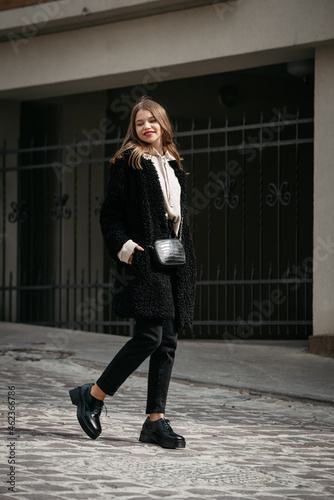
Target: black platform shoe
(88, 410)
(161, 433)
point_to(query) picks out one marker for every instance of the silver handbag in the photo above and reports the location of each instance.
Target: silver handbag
(169, 252)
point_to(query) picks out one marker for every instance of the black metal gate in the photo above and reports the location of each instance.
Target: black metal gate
(251, 212)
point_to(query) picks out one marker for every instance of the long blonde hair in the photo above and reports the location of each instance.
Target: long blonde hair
(139, 147)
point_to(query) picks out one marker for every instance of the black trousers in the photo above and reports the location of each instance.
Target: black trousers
(154, 338)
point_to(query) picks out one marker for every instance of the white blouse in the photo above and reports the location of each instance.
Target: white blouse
(171, 191)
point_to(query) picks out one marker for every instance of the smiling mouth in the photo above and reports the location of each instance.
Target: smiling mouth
(149, 133)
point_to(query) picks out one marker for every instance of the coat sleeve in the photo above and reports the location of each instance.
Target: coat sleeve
(112, 216)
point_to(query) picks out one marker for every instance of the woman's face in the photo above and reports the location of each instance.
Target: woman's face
(148, 128)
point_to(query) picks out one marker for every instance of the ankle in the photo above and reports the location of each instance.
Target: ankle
(156, 416)
(97, 393)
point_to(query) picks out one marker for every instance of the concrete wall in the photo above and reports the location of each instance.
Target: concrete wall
(203, 40)
(212, 38)
(323, 290)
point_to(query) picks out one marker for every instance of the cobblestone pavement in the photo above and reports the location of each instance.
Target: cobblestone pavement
(239, 445)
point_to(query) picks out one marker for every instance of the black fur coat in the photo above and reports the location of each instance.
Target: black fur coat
(134, 209)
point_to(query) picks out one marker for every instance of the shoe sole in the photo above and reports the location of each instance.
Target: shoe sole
(147, 438)
(75, 395)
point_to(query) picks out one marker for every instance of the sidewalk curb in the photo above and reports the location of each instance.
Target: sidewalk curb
(307, 399)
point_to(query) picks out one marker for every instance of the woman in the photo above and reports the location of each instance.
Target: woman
(146, 197)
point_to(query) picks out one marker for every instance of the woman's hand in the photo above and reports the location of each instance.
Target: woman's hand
(131, 256)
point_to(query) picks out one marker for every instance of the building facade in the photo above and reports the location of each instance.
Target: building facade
(249, 86)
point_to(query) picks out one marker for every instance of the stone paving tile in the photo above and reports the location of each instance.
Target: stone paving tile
(239, 446)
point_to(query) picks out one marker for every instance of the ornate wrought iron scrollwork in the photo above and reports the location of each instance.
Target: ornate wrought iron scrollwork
(18, 214)
(226, 190)
(60, 210)
(278, 194)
